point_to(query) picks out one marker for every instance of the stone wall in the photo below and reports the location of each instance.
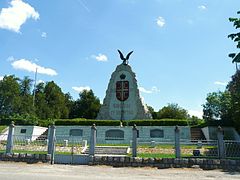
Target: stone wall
(22, 157)
(161, 163)
(144, 133)
(25, 132)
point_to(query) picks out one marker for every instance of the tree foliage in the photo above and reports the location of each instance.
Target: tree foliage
(87, 106)
(9, 96)
(234, 89)
(152, 112)
(236, 38)
(173, 111)
(217, 106)
(19, 102)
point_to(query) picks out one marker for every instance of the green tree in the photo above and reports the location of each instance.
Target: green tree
(69, 102)
(234, 89)
(87, 106)
(234, 84)
(218, 107)
(55, 100)
(173, 111)
(9, 96)
(236, 38)
(26, 107)
(40, 102)
(152, 112)
(50, 101)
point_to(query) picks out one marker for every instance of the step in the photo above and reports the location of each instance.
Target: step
(197, 134)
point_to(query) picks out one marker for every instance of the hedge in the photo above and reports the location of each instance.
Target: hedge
(89, 122)
(215, 123)
(159, 122)
(18, 121)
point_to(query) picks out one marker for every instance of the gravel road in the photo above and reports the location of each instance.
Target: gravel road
(23, 171)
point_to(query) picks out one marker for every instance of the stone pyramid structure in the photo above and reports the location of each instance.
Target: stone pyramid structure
(122, 100)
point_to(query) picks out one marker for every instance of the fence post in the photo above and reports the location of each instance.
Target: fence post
(177, 142)
(92, 140)
(9, 146)
(134, 141)
(51, 142)
(221, 146)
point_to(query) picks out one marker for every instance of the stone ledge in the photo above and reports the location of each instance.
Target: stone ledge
(29, 158)
(161, 163)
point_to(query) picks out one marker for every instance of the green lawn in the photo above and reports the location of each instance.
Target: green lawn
(151, 155)
(2, 128)
(26, 152)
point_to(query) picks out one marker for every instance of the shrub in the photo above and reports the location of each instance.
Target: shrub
(159, 122)
(147, 122)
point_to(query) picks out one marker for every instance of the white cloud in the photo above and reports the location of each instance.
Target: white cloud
(160, 21)
(100, 57)
(1, 78)
(27, 65)
(40, 81)
(202, 7)
(81, 88)
(142, 89)
(154, 89)
(13, 17)
(44, 35)
(220, 83)
(199, 114)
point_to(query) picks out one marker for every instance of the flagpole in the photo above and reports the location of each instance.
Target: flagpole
(34, 88)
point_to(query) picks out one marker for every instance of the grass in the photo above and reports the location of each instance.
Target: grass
(171, 146)
(2, 128)
(112, 145)
(150, 155)
(162, 146)
(26, 152)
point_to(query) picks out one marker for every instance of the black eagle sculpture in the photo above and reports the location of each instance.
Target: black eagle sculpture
(125, 60)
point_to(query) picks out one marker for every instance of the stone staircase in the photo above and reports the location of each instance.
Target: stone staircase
(110, 150)
(43, 136)
(197, 134)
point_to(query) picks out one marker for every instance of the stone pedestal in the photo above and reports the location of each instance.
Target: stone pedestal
(122, 100)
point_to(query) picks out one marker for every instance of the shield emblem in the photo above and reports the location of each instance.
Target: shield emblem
(122, 90)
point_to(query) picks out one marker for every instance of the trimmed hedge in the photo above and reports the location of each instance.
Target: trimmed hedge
(18, 121)
(215, 123)
(89, 122)
(86, 122)
(159, 122)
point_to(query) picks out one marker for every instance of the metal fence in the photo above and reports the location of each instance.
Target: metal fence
(199, 148)
(70, 145)
(232, 148)
(142, 147)
(28, 144)
(155, 148)
(3, 142)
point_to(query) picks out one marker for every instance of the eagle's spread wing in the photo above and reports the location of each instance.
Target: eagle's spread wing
(121, 55)
(236, 59)
(127, 57)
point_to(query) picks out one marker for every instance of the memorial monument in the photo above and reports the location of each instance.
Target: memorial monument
(122, 100)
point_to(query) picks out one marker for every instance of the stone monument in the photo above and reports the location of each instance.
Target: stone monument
(122, 100)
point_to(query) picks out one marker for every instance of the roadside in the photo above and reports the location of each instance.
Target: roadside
(23, 171)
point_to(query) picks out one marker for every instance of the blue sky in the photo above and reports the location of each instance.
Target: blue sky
(180, 46)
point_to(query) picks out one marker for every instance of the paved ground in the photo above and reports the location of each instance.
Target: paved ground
(22, 171)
